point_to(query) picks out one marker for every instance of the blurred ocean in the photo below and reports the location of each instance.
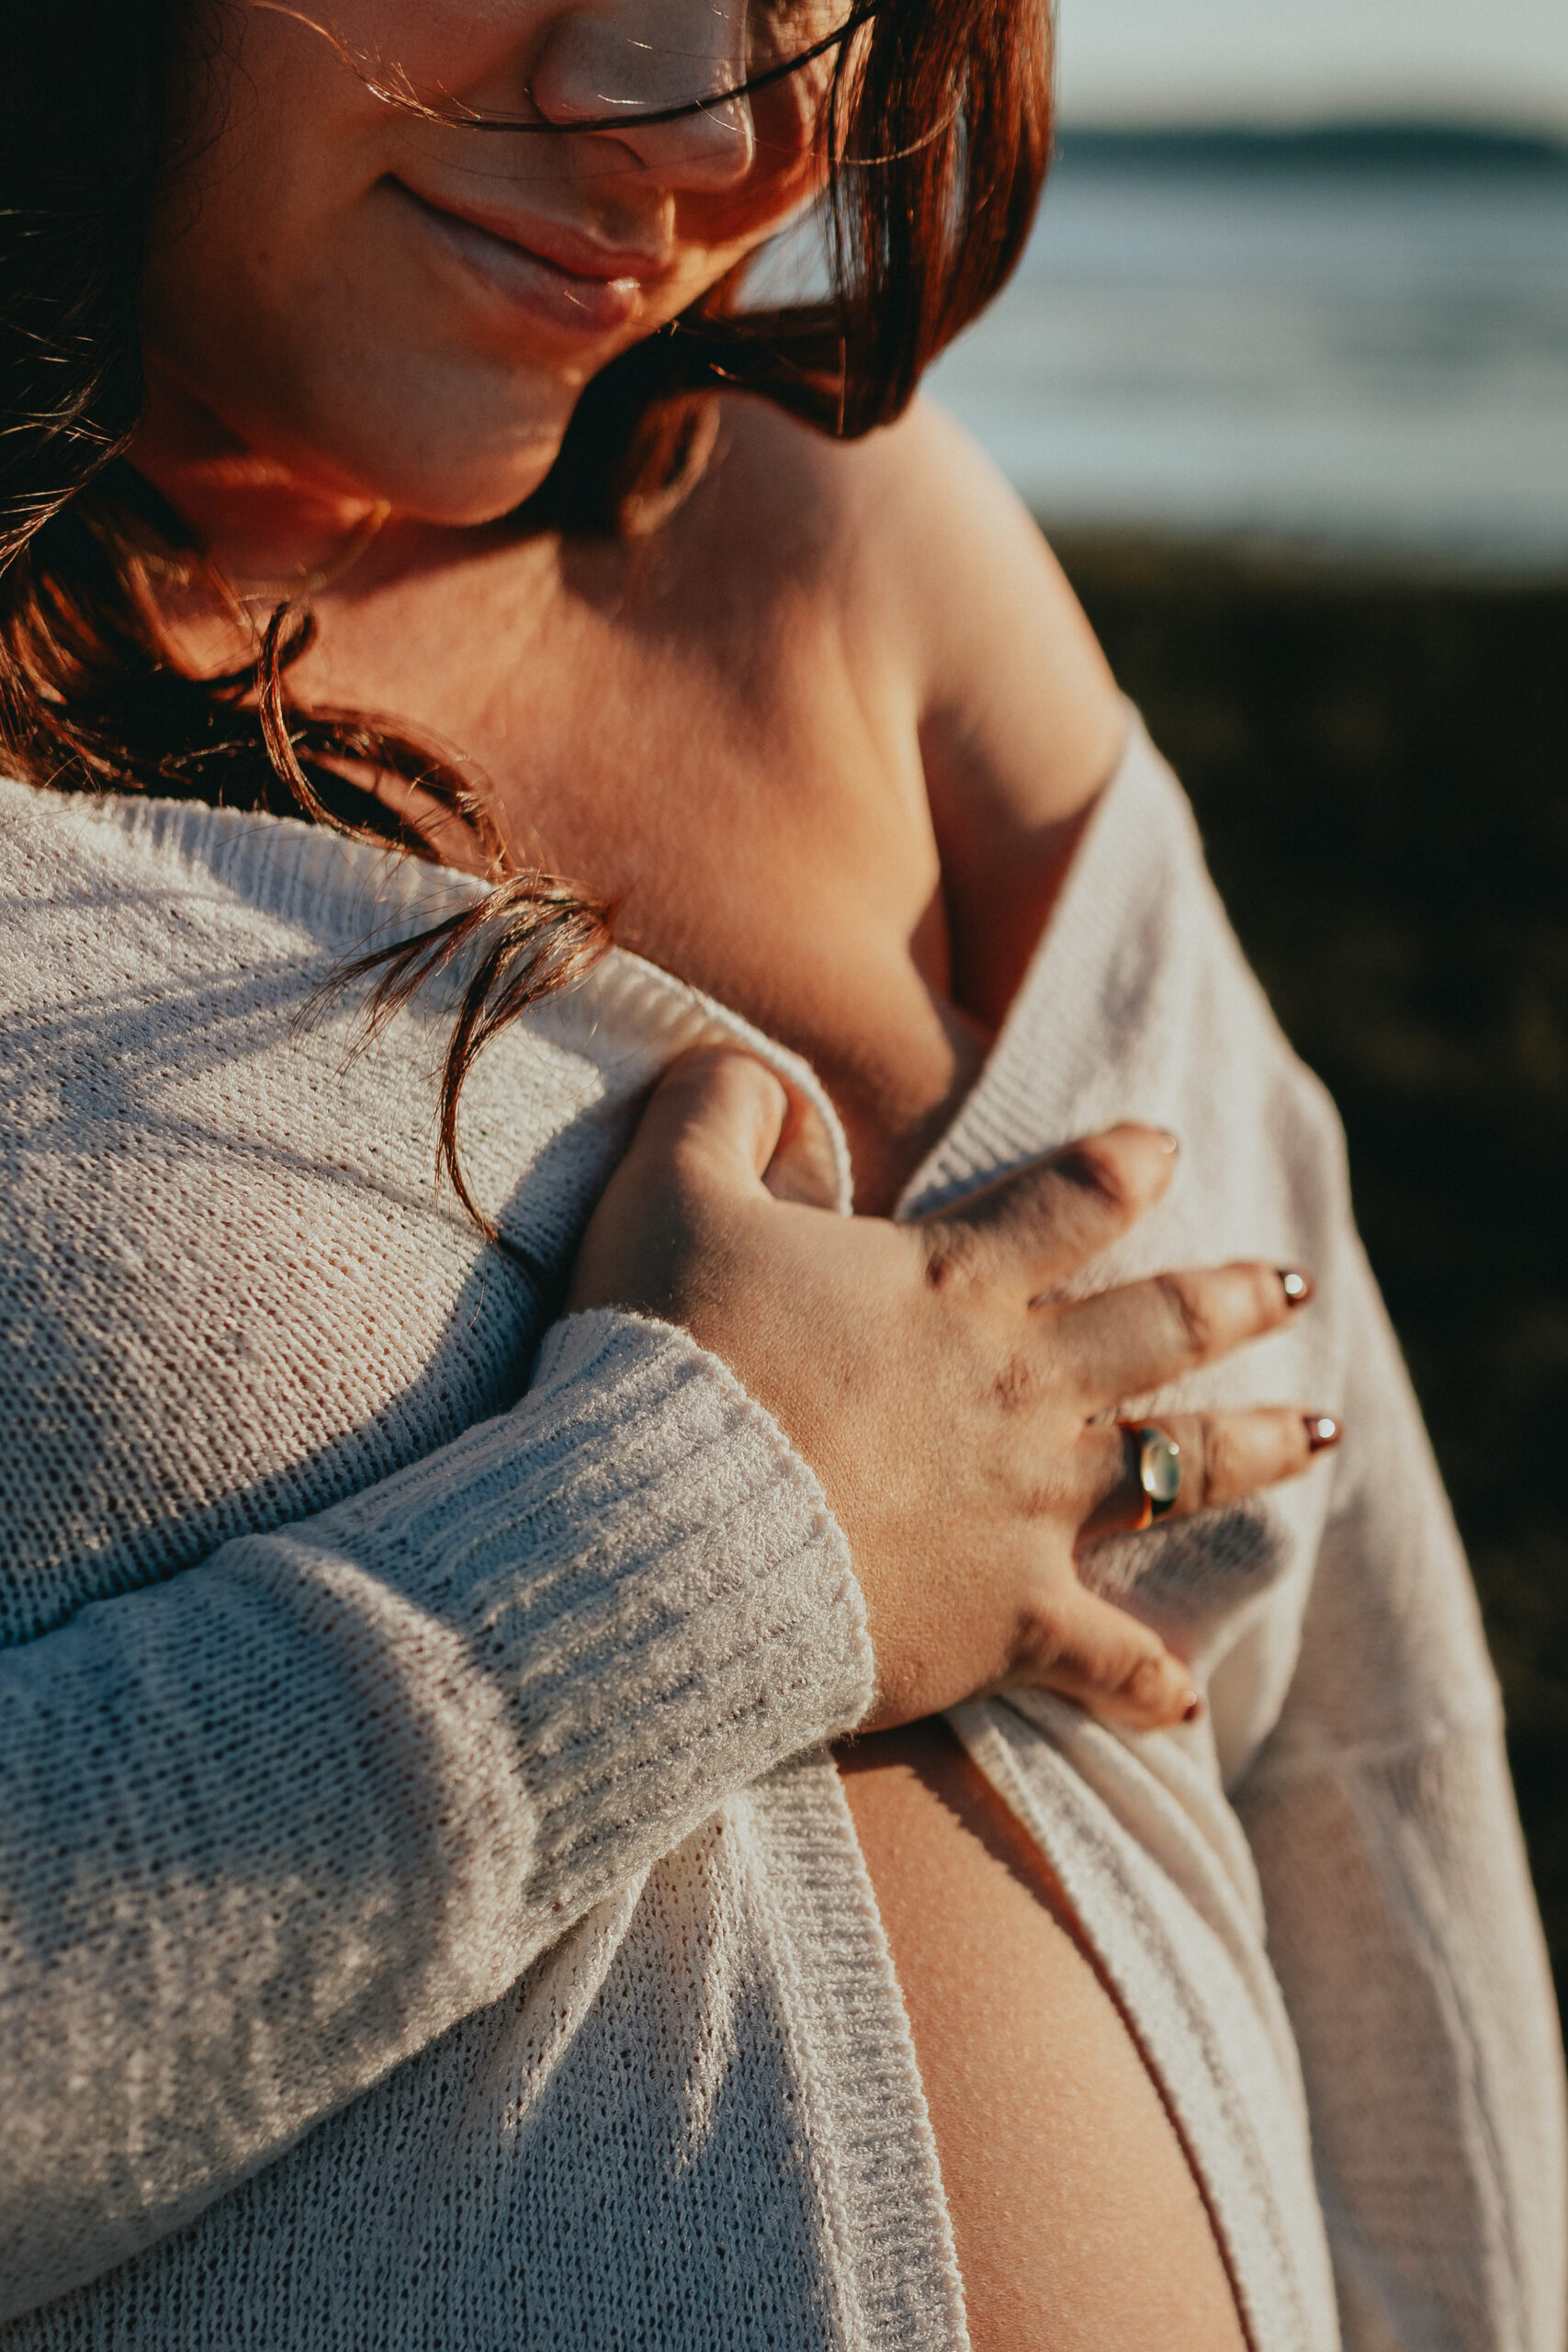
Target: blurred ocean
(1355, 340)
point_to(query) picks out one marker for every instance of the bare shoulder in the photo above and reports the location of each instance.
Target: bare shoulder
(931, 561)
(935, 579)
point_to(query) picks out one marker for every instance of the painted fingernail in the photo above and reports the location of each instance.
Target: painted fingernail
(1322, 1430)
(1296, 1286)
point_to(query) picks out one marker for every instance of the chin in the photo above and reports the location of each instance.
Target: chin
(436, 453)
(454, 488)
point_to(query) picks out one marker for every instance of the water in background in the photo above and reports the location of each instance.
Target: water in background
(1353, 339)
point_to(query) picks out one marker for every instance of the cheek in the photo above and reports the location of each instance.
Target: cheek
(472, 52)
(278, 263)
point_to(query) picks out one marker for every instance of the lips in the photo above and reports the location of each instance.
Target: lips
(558, 277)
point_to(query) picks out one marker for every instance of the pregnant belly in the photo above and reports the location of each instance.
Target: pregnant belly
(1078, 2224)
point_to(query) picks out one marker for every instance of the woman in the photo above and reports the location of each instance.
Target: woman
(435, 1918)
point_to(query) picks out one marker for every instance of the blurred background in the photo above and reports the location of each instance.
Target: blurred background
(1284, 376)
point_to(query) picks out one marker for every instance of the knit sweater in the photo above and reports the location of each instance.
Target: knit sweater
(429, 1916)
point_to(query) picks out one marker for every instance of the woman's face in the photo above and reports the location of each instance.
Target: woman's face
(398, 309)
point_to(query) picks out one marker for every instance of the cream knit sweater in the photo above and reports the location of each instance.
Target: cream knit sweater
(427, 1918)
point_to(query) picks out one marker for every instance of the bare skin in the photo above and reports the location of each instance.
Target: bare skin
(829, 739)
(1090, 2165)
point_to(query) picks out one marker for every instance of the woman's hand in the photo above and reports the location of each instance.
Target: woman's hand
(951, 1419)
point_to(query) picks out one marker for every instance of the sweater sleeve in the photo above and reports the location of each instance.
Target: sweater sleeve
(273, 1826)
(1401, 1920)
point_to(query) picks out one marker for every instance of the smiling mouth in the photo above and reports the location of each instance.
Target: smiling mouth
(578, 288)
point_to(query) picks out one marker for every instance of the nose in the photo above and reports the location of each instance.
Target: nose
(617, 65)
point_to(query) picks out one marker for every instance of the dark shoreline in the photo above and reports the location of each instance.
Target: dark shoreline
(1378, 755)
(1393, 144)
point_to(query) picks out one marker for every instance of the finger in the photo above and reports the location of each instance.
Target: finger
(701, 1146)
(717, 1112)
(1225, 1457)
(1038, 1226)
(1089, 1650)
(1129, 1340)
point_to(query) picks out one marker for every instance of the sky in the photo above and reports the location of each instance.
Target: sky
(1500, 63)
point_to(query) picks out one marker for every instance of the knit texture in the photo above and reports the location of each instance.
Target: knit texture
(428, 1918)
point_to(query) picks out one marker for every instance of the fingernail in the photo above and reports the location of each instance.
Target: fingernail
(1296, 1286)
(1171, 1144)
(1322, 1430)
(1193, 1707)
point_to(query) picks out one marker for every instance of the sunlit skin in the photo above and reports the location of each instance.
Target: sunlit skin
(828, 738)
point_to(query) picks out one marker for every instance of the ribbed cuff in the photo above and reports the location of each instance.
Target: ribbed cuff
(659, 1586)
